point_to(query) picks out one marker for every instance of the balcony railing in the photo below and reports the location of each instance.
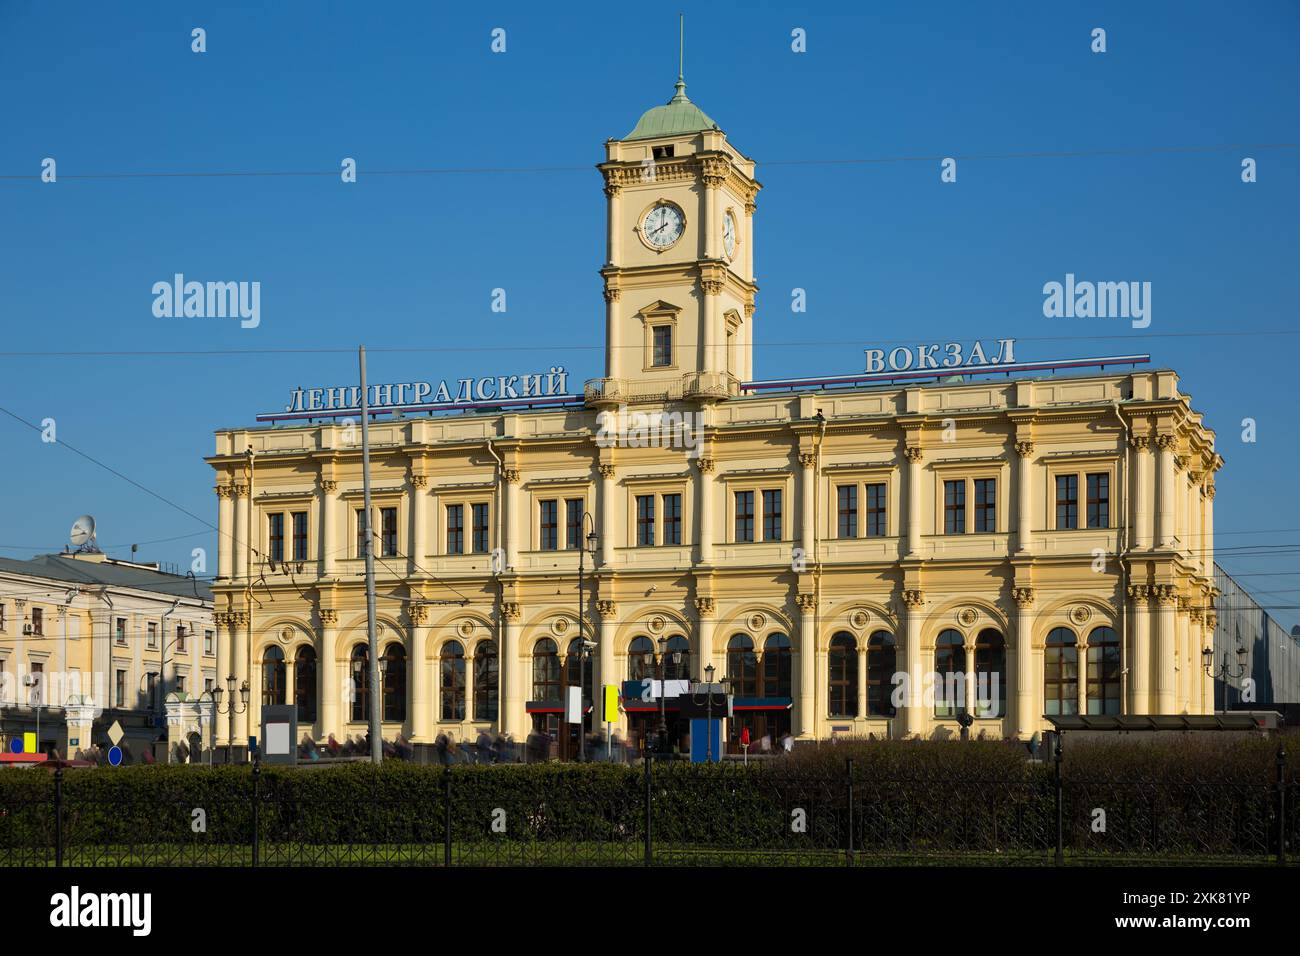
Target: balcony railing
(692, 385)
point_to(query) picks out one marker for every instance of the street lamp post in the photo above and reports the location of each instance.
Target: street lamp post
(231, 708)
(1224, 671)
(587, 543)
(708, 710)
(34, 699)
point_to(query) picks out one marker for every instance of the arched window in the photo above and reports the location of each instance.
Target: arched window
(882, 663)
(742, 666)
(1103, 671)
(776, 667)
(949, 673)
(360, 668)
(640, 659)
(1061, 673)
(451, 681)
(304, 684)
(394, 682)
(990, 674)
(546, 670)
(273, 683)
(677, 662)
(487, 680)
(842, 694)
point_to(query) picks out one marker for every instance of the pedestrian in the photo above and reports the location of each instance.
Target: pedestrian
(443, 749)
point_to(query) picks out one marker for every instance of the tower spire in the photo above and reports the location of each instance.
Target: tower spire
(680, 95)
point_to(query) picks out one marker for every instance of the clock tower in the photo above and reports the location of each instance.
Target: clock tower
(679, 270)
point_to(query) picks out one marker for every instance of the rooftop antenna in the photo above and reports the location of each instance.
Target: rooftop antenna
(82, 536)
(680, 95)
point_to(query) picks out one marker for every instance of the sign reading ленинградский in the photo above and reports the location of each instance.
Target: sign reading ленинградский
(537, 386)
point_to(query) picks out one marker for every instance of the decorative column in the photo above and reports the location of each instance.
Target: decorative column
(1165, 468)
(1207, 679)
(612, 294)
(704, 637)
(512, 674)
(807, 496)
(913, 709)
(1196, 668)
(225, 529)
(514, 524)
(914, 454)
(420, 520)
(1024, 497)
(239, 533)
(331, 693)
(1139, 649)
(862, 679)
(1166, 649)
(1195, 514)
(242, 634)
(329, 545)
(1182, 524)
(608, 489)
(421, 722)
(1141, 493)
(805, 717)
(225, 642)
(1182, 703)
(705, 464)
(969, 696)
(1207, 553)
(712, 282)
(1027, 696)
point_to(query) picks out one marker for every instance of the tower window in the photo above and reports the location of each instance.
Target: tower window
(662, 152)
(662, 346)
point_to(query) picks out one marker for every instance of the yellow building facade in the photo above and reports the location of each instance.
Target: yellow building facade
(1046, 542)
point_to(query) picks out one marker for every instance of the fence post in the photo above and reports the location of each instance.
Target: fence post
(446, 815)
(1281, 802)
(646, 761)
(58, 816)
(257, 801)
(1060, 803)
(848, 774)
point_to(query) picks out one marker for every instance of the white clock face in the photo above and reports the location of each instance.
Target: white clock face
(662, 226)
(729, 234)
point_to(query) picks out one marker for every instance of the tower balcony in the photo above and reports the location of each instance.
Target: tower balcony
(697, 386)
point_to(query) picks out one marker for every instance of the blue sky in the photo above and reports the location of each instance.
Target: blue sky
(885, 251)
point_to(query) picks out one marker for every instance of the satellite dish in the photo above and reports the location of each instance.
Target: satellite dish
(82, 535)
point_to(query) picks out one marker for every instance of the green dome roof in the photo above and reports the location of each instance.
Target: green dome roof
(678, 115)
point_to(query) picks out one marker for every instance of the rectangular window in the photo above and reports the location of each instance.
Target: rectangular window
(573, 508)
(150, 684)
(455, 529)
(672, 519)
(38, 621)
(119, 688)
(986, 504)
(482, 535)
(388, 529)
(361, 532)
(772, 515)
(300, 536)
(180, 638)
(744, 516)
(663, 346)
(120, 631)
(549, 528)
(645, 520)
(275, 537)
(847, 503)
(207, 642)
(152, 631)
(1099, 501)
(1067, 502)
(180, 684)
(207, 684)
(876, 526)
(2, 617)
(954, 507)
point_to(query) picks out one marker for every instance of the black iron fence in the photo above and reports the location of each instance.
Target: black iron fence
(659, 814)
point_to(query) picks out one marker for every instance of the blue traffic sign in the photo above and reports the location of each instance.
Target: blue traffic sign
(115, 755)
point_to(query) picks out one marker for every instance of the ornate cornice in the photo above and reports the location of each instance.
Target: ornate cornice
(1141, 442)
(419, 614)
(807, 459)
(223, 491)
(606, 470)
(1165, 442)
(705, 465)
(1166, 594)
(607, 609)
(329, 486)
(511, 475)
(328, 616)
(419, 481)
(241, 491)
